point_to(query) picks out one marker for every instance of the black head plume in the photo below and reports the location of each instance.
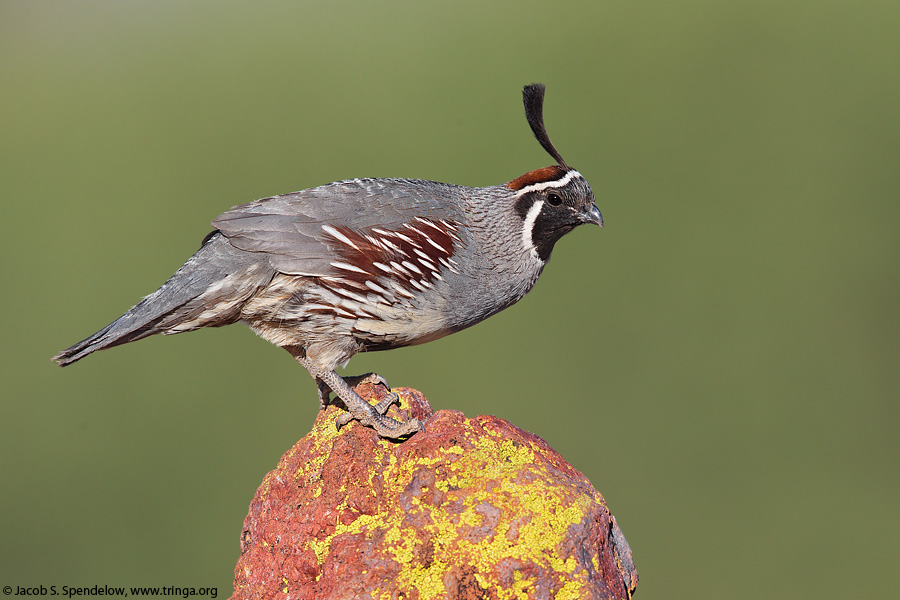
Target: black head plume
(533, 96)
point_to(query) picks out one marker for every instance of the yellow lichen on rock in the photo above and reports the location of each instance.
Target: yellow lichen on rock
(465, 508)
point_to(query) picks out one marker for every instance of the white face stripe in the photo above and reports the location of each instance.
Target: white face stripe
(528, 226)
(536, 187)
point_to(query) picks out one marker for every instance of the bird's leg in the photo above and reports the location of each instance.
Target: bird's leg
(353, 381)
(358, 408)
(324, 393)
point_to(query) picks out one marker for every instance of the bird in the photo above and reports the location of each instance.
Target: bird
(366, 265)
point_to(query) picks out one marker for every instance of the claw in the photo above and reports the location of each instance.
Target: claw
(355, 380)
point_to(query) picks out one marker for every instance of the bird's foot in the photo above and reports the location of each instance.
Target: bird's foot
(381, 408)
(384, 426)
(353, 381)
(358, 409)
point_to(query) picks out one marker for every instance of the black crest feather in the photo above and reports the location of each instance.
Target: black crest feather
(533, 96)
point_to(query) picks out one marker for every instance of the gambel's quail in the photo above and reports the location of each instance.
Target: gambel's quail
(366, 264)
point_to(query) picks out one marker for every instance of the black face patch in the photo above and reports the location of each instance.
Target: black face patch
(549, 227)
(561, 211)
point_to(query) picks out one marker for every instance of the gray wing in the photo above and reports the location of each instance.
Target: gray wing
(289, 228)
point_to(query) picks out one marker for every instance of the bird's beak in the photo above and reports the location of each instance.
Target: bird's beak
(592, 215)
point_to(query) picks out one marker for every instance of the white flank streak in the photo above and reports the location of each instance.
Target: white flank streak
(351, 295)
(528, 226)
(435, 244)
(318, 306)
(391, 245)
(383, 267)
(401, 290)
(343, 312)
(403, 237)
(417, 285)
(425, 257)
(375, 242)
(399, 268)
(409, 265)
(348, 267)
(428, 262)
(339, 236)
(536, 187)
(450, 267)
(380, 231)
(426, 283)
(375, 287)
(450, 230)
(437, 276)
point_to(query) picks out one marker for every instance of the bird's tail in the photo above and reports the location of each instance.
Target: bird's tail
(207, 291)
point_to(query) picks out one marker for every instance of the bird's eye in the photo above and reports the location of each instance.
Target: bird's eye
(554, 200)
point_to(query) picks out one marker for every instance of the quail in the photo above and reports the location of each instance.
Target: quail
(364, 265)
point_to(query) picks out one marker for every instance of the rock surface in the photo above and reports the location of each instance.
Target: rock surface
(467, 508)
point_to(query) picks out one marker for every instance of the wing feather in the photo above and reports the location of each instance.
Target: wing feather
(289, 227)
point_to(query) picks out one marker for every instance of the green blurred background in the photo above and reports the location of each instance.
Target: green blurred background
(721, 360)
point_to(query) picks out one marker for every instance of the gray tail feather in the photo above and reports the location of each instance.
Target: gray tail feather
(136, 324)
(174, 306)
